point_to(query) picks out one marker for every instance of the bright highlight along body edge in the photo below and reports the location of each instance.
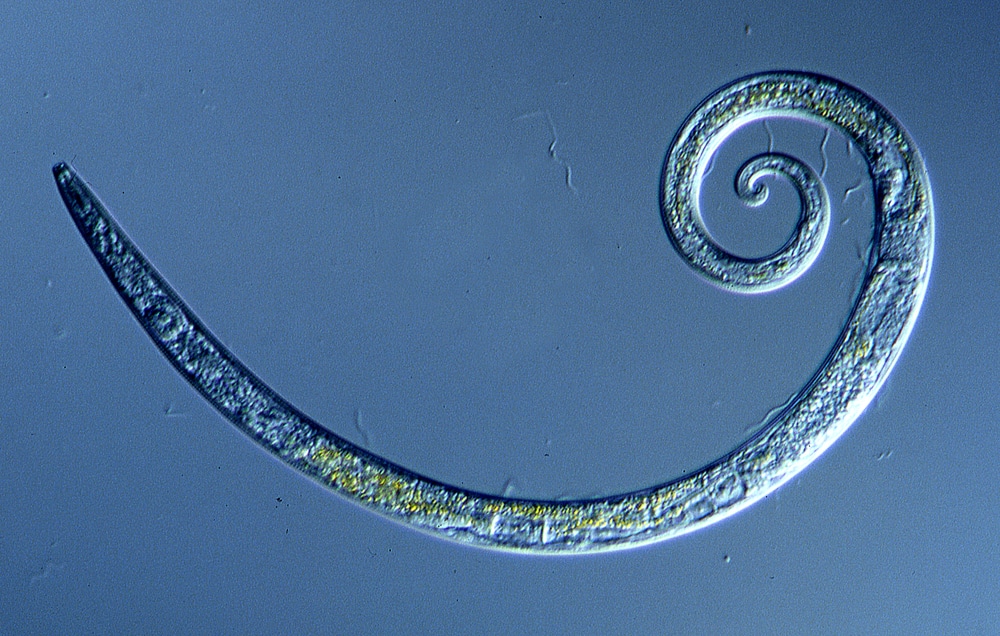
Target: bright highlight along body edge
(872, 338)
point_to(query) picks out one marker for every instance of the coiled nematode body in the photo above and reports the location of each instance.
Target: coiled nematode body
(872, 338)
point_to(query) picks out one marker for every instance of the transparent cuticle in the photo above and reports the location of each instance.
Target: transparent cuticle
(792, 436)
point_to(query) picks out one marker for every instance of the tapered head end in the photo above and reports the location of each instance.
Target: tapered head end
(62, 172)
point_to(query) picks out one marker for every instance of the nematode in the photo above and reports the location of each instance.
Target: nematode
(873, 336)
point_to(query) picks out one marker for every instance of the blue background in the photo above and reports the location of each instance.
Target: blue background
(366, 205)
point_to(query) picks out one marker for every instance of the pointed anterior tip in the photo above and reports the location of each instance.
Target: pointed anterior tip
(62, 172)
(78, 198)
